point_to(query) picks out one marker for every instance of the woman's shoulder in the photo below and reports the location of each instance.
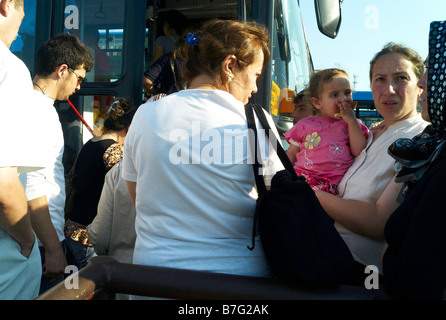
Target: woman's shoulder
(113, 155)
(98, 142)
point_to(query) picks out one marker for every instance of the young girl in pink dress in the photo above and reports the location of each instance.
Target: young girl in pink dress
(323, 147)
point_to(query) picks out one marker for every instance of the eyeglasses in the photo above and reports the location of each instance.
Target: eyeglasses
(80, 79)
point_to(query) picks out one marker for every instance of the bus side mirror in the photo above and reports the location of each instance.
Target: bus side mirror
(328, 15)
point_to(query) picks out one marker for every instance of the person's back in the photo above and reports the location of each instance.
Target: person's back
(165, 75)
(203, 195)
(112, 231)
(51, 179)
(172, 23)
(88, 178)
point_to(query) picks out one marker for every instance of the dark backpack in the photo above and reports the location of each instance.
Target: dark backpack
(299, 239)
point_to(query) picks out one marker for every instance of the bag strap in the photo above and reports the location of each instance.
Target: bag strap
(274, 141)
(260, 182)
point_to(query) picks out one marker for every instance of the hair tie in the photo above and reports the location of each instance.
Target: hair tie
(112, 105)
(192, 39)
(118, 111)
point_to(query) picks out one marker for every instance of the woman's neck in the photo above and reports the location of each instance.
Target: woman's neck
(118, 136)
(204, 82)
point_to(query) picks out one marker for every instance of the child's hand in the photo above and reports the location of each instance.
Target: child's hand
(346, 112)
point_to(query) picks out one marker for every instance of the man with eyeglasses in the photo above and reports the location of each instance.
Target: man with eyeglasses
(61, 65)
(20, 266)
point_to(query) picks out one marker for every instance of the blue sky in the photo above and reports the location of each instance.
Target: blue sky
(367, 25)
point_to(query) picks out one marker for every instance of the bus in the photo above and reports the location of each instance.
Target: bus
(366, 110)
(125, 30)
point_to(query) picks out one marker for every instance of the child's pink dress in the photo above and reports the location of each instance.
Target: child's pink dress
(325, 153)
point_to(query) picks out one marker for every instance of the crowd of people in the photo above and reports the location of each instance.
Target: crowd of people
(150, 191)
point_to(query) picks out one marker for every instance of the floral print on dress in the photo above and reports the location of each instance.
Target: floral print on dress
(336, 149)
(113, 155)
(312, 140)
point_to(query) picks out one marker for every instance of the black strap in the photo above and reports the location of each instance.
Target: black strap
(274, 142)
(261, 187)
(260, 182)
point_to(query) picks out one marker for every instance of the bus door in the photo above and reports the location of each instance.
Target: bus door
(113, 30)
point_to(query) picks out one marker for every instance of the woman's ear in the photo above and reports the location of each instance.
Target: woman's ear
(229, 64)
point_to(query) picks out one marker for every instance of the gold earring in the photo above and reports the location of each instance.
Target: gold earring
(230, 77)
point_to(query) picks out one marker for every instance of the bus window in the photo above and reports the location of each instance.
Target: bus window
(291, 65)
(24, 45)
(100, 25)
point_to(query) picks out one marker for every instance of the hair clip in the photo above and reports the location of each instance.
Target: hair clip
(192, 39)
(112, 107)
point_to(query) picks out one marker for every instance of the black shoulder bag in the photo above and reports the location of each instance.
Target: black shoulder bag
(299, 239)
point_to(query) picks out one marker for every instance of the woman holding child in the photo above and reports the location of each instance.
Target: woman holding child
(394, 75)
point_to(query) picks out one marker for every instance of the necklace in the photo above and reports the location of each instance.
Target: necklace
(43, 91)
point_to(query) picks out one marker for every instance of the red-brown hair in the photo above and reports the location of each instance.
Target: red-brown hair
(221, 38)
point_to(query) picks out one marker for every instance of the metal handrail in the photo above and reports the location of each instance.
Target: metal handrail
(104, 276)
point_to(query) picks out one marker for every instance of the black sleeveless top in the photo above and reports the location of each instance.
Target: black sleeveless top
(86, 180)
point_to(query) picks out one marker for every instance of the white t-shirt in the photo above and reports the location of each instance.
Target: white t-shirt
(195, 192)
(49, 181)
(367, 178)
(18, 148)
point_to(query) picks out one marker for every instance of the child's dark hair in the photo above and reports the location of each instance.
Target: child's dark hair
(301, 96)
(120, 114)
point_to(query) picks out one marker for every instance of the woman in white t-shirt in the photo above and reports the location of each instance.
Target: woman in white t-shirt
(186, 162)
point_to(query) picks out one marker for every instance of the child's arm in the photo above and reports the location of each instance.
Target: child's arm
(357, 139)
(291, 152)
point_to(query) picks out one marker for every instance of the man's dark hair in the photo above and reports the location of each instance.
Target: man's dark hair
(62, 49)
